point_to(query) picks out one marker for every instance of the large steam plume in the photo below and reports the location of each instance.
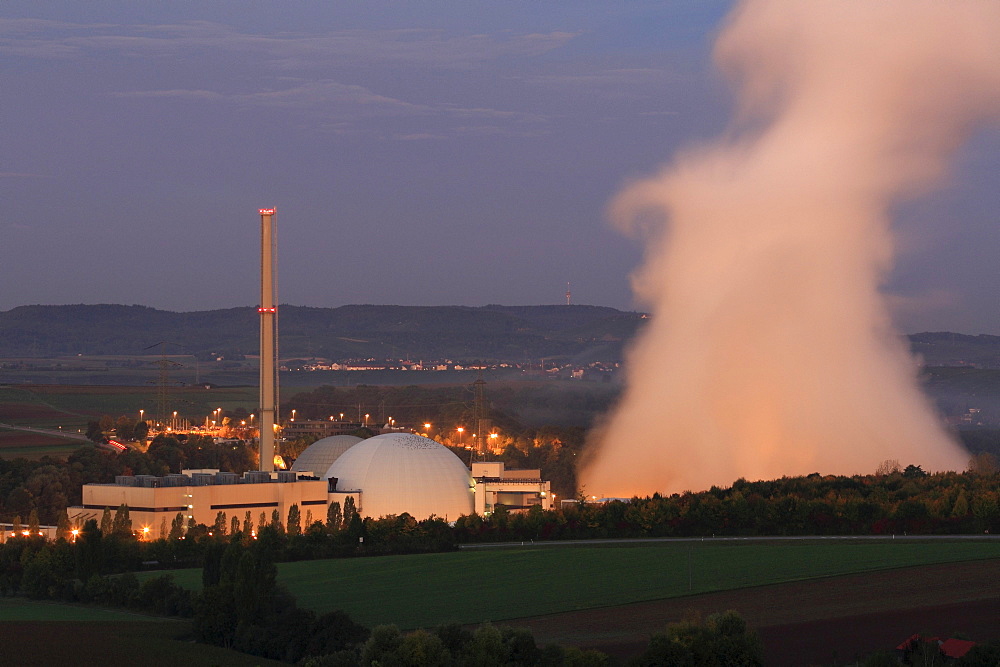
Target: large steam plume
(771, 351)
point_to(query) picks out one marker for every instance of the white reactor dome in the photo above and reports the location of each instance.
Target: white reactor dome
(403, 472)
(319, 456)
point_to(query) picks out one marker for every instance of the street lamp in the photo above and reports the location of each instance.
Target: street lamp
(141, 413)
(366, 418)
(293, 415)
(461, 435)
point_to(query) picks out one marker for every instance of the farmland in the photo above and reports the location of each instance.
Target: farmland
(68, 408)
(490, 585)
(103, 644)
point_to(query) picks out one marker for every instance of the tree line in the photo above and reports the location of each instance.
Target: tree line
(909, 501)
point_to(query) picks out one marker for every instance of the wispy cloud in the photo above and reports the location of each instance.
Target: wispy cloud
(424, 47)
(352, 104)
(20, 174)
(298, 71)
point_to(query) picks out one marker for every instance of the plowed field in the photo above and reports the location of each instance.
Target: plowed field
(808, 622)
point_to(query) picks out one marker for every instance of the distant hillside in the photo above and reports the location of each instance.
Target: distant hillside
(516, 333)
(944, 348)
(510, 333)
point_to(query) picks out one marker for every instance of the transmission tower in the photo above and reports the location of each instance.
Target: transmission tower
(163, 379)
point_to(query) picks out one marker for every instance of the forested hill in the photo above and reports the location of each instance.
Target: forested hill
(507, 333)
(515, 333)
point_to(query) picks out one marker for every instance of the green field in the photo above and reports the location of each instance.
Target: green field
(20, 609)
(494, 585)
(50, 633)
(51, 405)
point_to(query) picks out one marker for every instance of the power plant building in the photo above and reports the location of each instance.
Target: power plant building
(386, 475)
(389, 474)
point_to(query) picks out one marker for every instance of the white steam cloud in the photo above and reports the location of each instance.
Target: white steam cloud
(771, 351)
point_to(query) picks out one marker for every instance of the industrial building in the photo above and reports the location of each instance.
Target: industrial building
(390, 474)
(386, 475)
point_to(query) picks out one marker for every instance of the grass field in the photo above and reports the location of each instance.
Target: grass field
(49, 633)
(20, 609)
(52, 405)
(492, 585)
(108, 644)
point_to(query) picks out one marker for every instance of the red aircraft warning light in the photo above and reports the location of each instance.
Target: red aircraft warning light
(266, 211)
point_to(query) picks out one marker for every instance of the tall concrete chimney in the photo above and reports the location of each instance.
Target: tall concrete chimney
(268, 339)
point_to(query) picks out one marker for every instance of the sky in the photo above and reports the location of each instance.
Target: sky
(442, 152)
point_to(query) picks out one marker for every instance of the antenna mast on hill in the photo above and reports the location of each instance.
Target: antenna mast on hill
(568, 294)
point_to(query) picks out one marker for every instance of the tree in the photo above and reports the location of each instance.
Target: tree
(141, 431)
(723, 639)
(125, 428)
(247, 524)
(177, 527)
(106, 423)
(121, 526)
(106, 525)
(219, 527)
(334, 518)
(382, 645)
(40, 578)
(276, 520)
(294, 520)
(983, 464)
(234, 526)
(94, 432)
(960, 509)
(254, 586)
(33, 525)
(89, 552)
(888, 467)
(350, 511)
(913, 471)
(63, 527)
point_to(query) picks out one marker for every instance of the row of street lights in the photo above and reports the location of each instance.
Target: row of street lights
(216, 421)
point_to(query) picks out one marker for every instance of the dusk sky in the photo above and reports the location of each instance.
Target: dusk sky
(425, 153)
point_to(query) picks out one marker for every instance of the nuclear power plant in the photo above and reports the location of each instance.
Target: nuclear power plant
(389, 474)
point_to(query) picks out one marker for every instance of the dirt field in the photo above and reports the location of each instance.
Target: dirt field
(29, 412)
(823, 622)
(24, 439)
